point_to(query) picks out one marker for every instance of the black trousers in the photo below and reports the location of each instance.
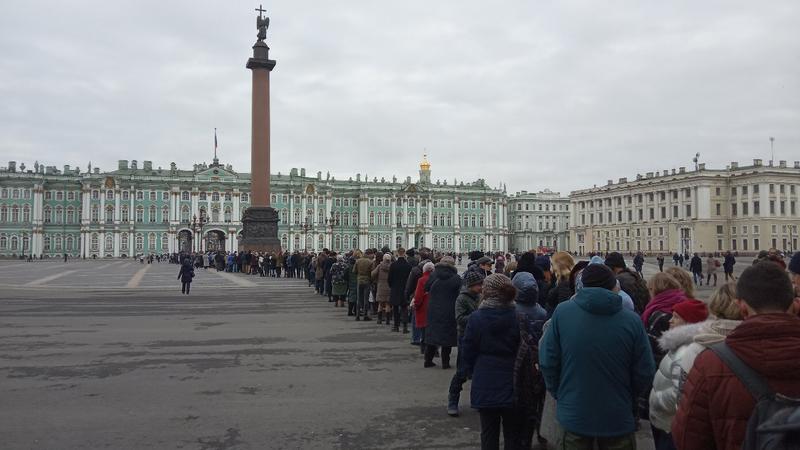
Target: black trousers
(511, 421)
(185, 285)
(430, 352)
(400, 313)
(362, 305)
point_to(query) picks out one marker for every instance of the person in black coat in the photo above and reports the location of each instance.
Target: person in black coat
(398, 275)
(443, 286)
(696, 267)
(185, 275)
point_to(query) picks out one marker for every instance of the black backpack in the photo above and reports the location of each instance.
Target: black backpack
(775, 422)
(529, 387)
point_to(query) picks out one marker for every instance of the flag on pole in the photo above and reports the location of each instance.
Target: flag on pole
(215, 143)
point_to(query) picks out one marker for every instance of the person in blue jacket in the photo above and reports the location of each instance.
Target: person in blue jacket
(489, 348)
(596, 360)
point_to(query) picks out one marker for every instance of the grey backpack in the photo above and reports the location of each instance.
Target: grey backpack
(775, 422)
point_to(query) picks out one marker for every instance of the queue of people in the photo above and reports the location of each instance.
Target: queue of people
(607, 346)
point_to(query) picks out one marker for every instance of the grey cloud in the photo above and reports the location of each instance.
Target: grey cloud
(537, 94)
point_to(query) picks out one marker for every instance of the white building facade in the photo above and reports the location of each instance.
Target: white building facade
(539, 220)
(741, 208)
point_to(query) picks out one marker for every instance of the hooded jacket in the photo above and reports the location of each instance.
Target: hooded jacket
(683, 344)
(715, 406)
(466, 304)
(596, 360)
(489, 350)
(528, 296)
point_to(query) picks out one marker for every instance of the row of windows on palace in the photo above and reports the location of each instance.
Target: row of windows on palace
(69, 242)
(544, 206)
(720, 229)
(70, 215)
(687, 193)
(775, 208)
(227, 196)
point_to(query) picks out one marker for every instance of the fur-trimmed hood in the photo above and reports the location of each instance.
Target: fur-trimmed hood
(674, 338)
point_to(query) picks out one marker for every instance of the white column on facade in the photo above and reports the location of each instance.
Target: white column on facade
(237, 214)
(314, 216)
(117, 209)
(117, 243)
(430, 212)
(132, 210)
(405, 211)
(195, 205)
(328, 211)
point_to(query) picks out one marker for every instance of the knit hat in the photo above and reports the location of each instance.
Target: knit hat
(448, 260)
(498, 286)
(794, 263)
(692, 311)
(472, 278)
(596, 275)
(483, 260)
(428, 267)
(615, 260)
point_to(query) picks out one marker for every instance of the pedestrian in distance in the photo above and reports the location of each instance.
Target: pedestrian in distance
(186, 274)
(696, 267)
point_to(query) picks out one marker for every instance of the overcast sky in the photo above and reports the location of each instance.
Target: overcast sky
(558, 94)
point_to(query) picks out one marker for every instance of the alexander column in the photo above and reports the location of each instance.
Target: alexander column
(260, 220)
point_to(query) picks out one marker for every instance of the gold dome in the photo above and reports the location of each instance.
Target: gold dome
(425, 165)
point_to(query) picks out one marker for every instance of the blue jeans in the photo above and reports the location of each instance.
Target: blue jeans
(416, 333)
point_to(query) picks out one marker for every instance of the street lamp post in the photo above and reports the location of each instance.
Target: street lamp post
(196, 225)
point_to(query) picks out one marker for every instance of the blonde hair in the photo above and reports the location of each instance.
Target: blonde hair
(661, 282)
(722, 302)
(562, 265)
(511, 267)
(684, 280)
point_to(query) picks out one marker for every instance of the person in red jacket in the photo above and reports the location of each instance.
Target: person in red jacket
(715, 406)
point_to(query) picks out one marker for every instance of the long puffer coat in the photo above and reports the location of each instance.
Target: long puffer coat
(380, 275)
(398, 276)
(489, 351)
(683, 344)
(443, 287)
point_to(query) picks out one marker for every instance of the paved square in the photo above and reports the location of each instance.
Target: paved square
(243, 362)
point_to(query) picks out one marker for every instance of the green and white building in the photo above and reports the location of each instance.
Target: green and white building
(140, 209)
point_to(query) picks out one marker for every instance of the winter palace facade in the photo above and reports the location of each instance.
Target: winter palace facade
(139, 209)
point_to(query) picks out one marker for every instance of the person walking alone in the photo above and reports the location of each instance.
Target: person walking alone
(696, 267)
(185, 275)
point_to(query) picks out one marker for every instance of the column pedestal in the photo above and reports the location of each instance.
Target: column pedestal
(260, 230)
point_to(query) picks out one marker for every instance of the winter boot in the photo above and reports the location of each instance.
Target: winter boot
(452, 406)
(395, 328)
(405, 328)
(380, 317)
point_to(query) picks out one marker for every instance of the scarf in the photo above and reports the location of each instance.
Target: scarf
(664, 301)
(495, 303)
